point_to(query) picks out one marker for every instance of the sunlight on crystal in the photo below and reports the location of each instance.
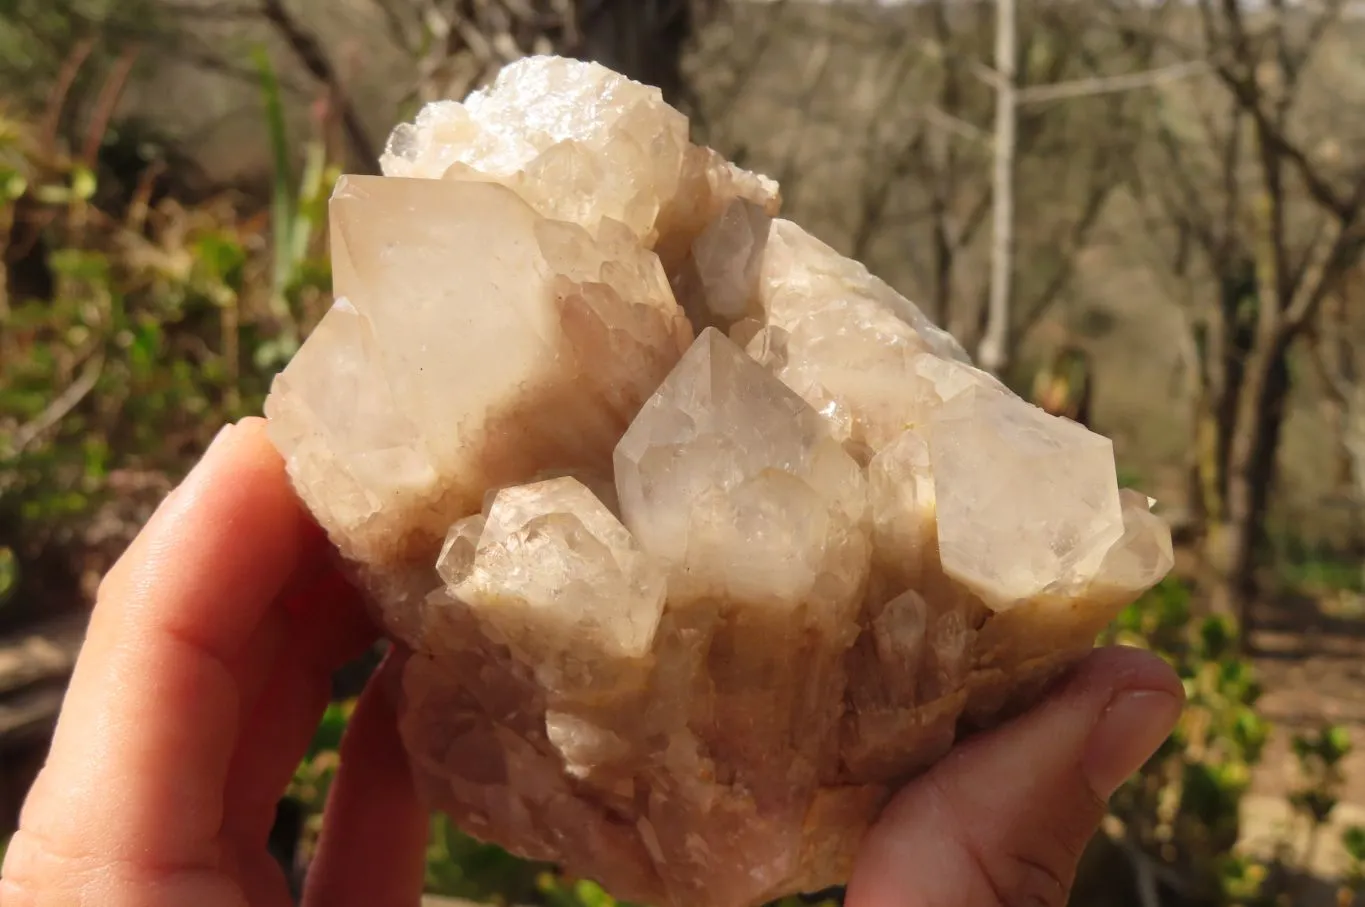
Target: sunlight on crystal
(704, 539)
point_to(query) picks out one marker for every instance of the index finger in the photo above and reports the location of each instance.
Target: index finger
(141, 752)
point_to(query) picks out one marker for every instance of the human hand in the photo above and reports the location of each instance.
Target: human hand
(1003, 819)
(205, 670)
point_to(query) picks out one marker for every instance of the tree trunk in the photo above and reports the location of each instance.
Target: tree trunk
(1339, 365)
(994, 352)
(642, 39)
(1206, 469)
(1238, 537)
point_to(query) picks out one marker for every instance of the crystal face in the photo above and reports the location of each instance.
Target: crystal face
(702, 538)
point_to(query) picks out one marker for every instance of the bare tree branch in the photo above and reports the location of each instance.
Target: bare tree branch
(60, 407)
(987, 75)
(1321, 273)
(816, 68)
(1101, 85)
(956, 125)
(400, 31)
(995, 341)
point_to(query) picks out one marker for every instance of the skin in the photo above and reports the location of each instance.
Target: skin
(206, 669)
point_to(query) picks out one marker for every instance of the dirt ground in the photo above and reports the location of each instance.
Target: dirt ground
(1310, 659)
(1311, 663)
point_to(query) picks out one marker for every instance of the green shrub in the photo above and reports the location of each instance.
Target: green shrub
(1182, 811)
(40, 37)
(1353, 843)
(134, 334)
(1316, 569)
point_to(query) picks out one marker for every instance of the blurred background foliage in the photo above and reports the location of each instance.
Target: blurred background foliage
(164, 172)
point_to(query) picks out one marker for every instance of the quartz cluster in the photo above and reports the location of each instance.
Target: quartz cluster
(702, 539)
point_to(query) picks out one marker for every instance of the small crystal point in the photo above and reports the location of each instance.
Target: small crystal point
(554, 576)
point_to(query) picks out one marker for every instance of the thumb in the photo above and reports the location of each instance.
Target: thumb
(1003, 819)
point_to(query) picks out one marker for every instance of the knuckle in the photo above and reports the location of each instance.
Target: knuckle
(1032, 863)
(1034, 882)
(1021, 878)
(34, 867)
(41, 869)
(1039, 865)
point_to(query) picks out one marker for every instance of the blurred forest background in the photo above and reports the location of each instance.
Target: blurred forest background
(1147, 215)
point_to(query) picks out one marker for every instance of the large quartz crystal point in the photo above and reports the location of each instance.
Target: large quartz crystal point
(1002, 546)
(735, 485)
(1024, 500)
(1036, 545)
(476, 344)
(1019, 650)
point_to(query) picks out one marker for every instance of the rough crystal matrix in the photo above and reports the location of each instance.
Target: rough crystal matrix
(702, 538)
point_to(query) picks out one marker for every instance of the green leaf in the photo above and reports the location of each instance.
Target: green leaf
(222, 259)
(1250, 732)
(83, 183)
(315, 273)
(1336, 744)
(1241, 878)
(9, 573)
(1211, 793)
(1130, 618)
(1174, 598)
(13, 184)
(308, 211)
(144, 351)
(282, 186)
(80, 264)
(592, 895)
(1317, 804)
(1217, 636)
(1353, 840)
(96, 454)
(331, 728)
(273, 355)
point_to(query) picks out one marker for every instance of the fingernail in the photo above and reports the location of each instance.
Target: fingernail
(175, 492)
(218, 438)
(1131, 729)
